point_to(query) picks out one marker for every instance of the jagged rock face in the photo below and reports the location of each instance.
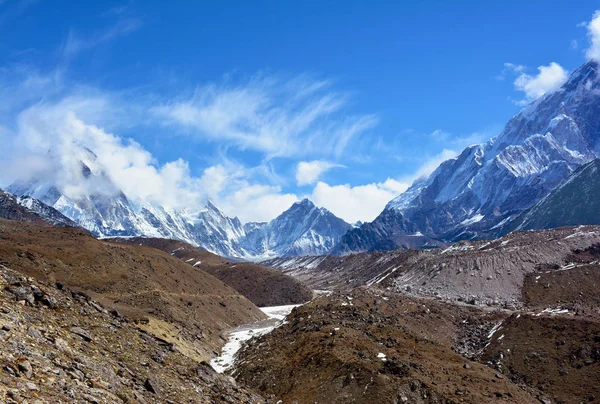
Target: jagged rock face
(574, 202)
(104, 210)
(475, 194)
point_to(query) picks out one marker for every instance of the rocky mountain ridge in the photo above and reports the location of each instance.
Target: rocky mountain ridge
(27, 209)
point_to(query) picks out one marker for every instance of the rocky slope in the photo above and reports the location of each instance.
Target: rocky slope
(491, 272)
(167, 297)
(261, 285)
(58, 345)
(368, 345)
(488, 185)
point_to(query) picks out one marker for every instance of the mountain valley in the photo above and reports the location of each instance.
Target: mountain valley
(477, 284)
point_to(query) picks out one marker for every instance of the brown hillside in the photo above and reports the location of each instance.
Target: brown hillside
(262, 286)
(171, 299)
(487, 272)
(329, 351)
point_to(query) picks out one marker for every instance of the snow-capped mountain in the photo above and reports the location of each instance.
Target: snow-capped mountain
(303, 229)
(99, 206)
(477, 193)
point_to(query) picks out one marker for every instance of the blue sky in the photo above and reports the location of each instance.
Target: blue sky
(258, 104)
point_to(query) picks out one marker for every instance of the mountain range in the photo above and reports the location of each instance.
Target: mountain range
(303, 229)
(527, 177)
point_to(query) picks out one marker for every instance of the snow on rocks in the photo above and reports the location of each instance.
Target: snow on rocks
(240, 335)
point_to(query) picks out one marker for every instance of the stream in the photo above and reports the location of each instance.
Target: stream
(244, 332)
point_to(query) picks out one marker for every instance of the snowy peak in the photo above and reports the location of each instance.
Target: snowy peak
(303, 229)
(305, 202)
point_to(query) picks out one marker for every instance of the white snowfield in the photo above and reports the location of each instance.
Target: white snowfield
(243, 333)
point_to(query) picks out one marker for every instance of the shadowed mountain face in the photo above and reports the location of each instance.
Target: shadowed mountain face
(475, 194)
(574, 202)
(30, 210)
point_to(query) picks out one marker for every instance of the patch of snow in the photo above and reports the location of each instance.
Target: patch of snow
(464, 247)
(475, 219)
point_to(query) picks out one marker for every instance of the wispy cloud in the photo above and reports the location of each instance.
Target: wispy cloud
(11, 10)
(548, 78)
(76, 43)
(574, 44)
(510, 69)
(276, 116)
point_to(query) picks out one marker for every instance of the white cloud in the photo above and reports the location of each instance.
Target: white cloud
(59, 116)
(308, 172)
(55, 137)
(515, 68)
(257, 202)
(280, 118)
(362, 202)
(549, 78)
(365, 202)
(593, 28)
(124, 165)
(231, 189)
